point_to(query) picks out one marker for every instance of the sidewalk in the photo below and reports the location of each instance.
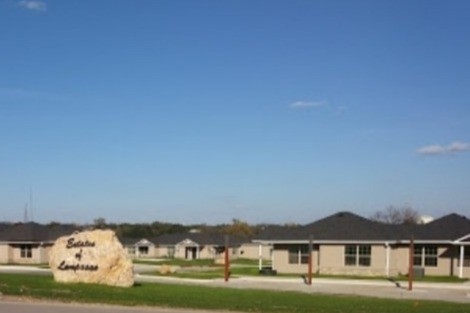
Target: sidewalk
(458, 292)
(452, 292)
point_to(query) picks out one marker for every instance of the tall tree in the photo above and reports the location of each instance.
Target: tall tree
(239, 227)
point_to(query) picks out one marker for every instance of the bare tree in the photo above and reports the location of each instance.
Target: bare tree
(394, 215)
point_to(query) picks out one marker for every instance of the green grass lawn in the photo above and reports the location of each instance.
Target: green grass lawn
(212, 273)
(198, 262)
(198, 297)
(177, 262)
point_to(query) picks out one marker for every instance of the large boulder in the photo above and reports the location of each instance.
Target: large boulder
(91, 257)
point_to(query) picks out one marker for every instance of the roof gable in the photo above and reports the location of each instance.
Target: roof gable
(448, 227)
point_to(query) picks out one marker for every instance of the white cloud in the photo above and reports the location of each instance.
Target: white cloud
(431, 150)
(306, 104)
(458, 146)
(33, 5)
(454, 147)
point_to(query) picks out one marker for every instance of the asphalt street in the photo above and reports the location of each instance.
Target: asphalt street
(15, 306)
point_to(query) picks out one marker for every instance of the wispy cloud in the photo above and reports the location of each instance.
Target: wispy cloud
(453, 148)
(306, 104)
(33, 5)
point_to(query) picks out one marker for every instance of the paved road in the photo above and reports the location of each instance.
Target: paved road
(15, 306)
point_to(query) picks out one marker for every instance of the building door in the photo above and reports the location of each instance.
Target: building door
(191, 253)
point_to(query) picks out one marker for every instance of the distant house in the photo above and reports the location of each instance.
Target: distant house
(139, 248)
(348, 244)
(29, 243)
(192, 245)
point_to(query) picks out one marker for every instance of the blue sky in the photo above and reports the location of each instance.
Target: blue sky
(204, 111)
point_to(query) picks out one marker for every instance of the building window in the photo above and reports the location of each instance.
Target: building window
(298, 254)
(26, 251)
(425, 255)
(131, 250)
(357, 255)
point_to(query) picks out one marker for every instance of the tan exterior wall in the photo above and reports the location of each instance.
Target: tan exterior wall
(45, 253)
(162, 252)
(447, 262)
(399, 260)
(251, 251)
(40, 254)
(4, 253)
(330, 259)
(280, 261)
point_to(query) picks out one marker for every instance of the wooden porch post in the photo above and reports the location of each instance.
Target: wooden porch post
(410, 264)
(260, 257)
(310, 260)
(226, 263)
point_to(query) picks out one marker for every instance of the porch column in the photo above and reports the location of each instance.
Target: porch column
(260, 257)
(387, 260)
(272, 255)
(197, 251)
(462, 253)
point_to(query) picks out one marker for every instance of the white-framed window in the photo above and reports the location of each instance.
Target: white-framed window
(425, 256)
(26, 251)
(298, 254)
(357, 255)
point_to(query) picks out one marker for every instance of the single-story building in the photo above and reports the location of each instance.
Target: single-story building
(195, 245)
(29, 243)
(347, 244)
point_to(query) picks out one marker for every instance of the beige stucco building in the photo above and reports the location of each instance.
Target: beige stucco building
(196, 245)
(347, 244)
(29, 243)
